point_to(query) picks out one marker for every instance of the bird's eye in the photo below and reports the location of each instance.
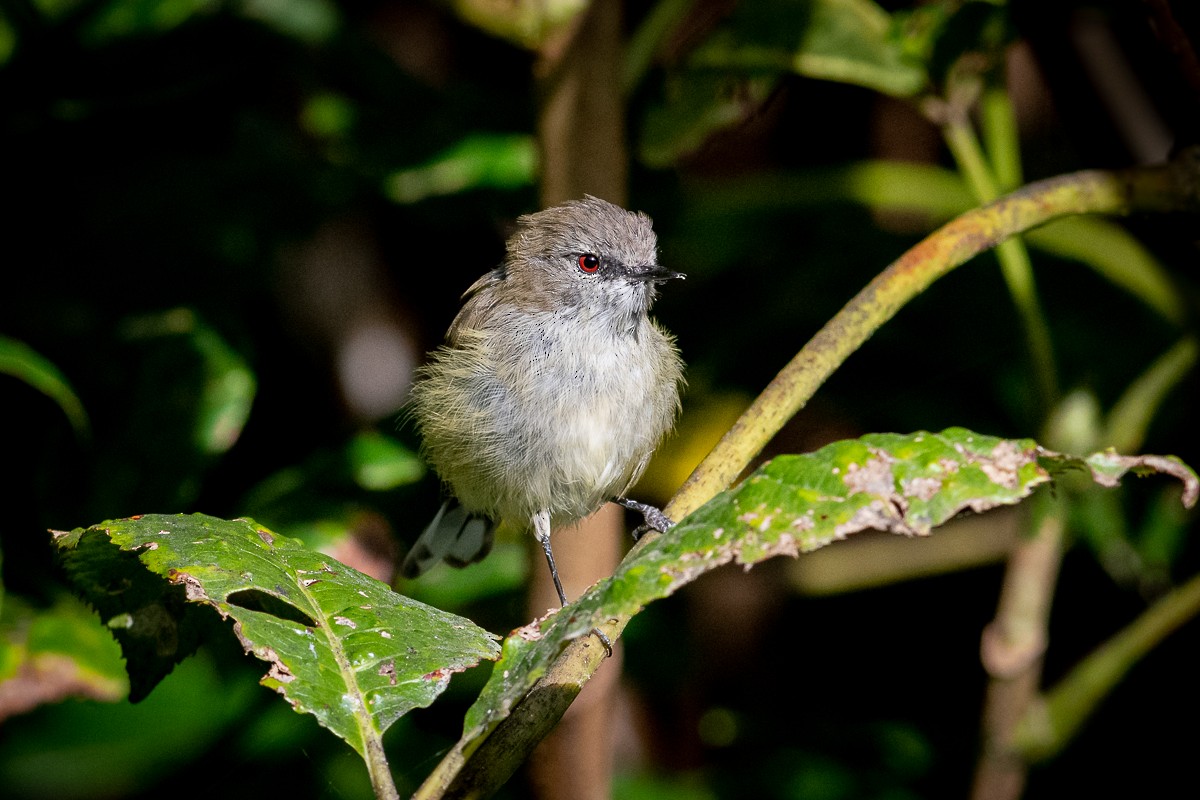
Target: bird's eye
(589, 263)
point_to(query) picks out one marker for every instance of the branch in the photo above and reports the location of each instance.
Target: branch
(477, 767)
(1172, 187)
(1049, 724)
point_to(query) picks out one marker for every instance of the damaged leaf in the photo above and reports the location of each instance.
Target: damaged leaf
(341, 645)
(902, 483)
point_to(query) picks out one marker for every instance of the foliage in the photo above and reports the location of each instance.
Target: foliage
(171, 348)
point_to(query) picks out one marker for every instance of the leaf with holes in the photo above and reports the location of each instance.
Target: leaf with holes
(900, 483)
(342, 646)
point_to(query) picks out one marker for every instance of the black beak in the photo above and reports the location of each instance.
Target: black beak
(652, 273)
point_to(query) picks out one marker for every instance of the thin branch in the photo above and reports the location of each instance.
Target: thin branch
(1050, 724)
(1012, 650)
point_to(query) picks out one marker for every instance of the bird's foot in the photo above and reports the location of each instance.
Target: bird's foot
(656, 520)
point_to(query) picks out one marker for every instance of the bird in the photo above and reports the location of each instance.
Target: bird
(553, 387)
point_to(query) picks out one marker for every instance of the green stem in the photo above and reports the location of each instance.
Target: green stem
(1000, 137)
(1015, 265)
(1049, 725)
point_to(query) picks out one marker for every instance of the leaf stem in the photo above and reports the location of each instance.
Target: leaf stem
(370, 736)
(1015, 265)
(999, 125)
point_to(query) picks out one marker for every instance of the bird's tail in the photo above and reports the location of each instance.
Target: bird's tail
(455, 536)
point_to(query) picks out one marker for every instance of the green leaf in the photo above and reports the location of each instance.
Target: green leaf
(498, 161)
(736, 68)
(699, 103)
(20, 361)
(906, 484)
(48, 654)
(380, 463)
(527, 23)
(309, 21)
(226, 384)
(87, 750)
(940, 194)
(1115, 255)
(851, 41)
(342, 646)
(132, 18)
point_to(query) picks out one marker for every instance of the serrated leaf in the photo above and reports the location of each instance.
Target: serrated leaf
(342, 646)
(49, 654)
(902, 483)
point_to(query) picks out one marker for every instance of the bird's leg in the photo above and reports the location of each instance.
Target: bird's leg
(541, 529)
(656, 520)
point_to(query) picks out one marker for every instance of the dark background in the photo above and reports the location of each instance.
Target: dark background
(153, 163)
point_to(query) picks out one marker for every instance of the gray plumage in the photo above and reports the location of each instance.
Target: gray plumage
(554, 386)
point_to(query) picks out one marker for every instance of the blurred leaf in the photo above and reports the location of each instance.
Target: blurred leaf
(528, 23)
(940, 195)
(496, 161)
(326, 115)
(127, 18)
(47, 655)
(648, 786)
(850, 41)
(342, 646)
(1161, 536)
(1130, 417)
(1114, 254)
(656, 27)
(229, 390)
(227, 385)
(310, 21)
(8, 40)
(905, 484)
(380, 463)
(967, 37)
(20, 361)
(697, 104)
(885, 186)
(109, 750)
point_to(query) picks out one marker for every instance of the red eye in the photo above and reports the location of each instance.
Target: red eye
(589, 263)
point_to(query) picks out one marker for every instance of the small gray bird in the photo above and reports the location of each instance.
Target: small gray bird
(553, 387)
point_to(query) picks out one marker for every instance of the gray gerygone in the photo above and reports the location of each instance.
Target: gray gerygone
(554, 385)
